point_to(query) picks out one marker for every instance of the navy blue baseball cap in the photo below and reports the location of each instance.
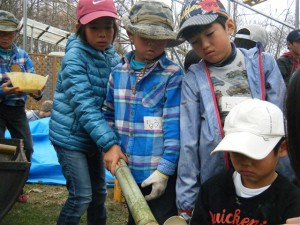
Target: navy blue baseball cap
(200, 12)
(293, 36)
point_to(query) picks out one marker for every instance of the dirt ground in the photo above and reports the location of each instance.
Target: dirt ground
(45, 203)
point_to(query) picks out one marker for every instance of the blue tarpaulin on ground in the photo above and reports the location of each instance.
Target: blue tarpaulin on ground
(44, 166)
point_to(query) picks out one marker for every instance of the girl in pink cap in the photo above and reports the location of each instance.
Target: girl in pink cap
(78, 130)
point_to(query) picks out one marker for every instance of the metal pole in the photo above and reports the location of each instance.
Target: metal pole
(179, 61)
(278, 21)
(31, 40)
(24, 23)
(297, 15)
(228, 7)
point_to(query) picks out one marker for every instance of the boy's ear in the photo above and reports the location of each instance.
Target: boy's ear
(282, 151)
(230, 26)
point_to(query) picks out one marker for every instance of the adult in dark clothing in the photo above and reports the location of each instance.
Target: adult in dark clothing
(293, 122)
(293, 128)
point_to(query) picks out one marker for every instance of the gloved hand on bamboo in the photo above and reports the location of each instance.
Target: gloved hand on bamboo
(159, 183)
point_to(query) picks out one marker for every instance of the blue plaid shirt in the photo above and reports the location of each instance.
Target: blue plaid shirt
(8, 58)
(145, 115)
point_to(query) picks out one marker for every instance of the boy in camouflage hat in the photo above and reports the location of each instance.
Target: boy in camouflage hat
(143, 105)
(12, 100)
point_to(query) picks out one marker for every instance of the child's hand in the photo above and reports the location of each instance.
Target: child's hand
(295, 220)
(10, 90)
(159, 183)
(112, 157)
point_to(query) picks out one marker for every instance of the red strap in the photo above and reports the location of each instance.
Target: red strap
(217, 111)
(187, 211)
(261, 73)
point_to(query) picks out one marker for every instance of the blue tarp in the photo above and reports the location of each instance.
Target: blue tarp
(44, 166)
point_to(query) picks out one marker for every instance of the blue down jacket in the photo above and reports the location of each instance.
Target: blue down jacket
(77, 122)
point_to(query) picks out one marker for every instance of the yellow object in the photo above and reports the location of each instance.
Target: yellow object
(175, 220)
(27, 82)
(118, 195)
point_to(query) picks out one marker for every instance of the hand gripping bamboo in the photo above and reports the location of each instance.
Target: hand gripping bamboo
(136, 202)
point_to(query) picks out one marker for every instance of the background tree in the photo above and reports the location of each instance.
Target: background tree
(61, 14)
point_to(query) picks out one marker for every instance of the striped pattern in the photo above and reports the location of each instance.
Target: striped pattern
(157, 95)
(12, 57)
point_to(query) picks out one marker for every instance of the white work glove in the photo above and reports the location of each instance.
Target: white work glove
(159, 183)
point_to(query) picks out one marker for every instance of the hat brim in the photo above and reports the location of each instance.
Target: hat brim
(94, 15)
(8, 28)
(248, 144)
(199, 20)
(152, 31)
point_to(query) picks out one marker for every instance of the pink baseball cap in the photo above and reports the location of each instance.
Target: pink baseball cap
(88, 10)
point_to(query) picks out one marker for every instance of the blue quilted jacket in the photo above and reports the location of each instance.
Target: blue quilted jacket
(77, 122)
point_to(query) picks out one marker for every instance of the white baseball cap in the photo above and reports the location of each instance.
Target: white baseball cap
(252, 128)
(257, 33)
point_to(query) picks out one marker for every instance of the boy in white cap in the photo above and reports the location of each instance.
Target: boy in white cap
(143, 101)
(252, 193)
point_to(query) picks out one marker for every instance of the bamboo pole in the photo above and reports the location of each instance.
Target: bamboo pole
(136, 202)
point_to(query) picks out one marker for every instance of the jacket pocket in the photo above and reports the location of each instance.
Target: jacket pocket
(154, 96)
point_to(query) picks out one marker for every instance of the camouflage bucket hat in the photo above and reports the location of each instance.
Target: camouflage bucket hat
(153, 20)
(8, 22)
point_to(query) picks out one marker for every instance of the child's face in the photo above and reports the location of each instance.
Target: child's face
(147, 49)
(100, 32)
(213, 44)
(7, 38)
(257, 173)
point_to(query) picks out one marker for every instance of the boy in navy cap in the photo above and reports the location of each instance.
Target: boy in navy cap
(223, 78)
(290, 61)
